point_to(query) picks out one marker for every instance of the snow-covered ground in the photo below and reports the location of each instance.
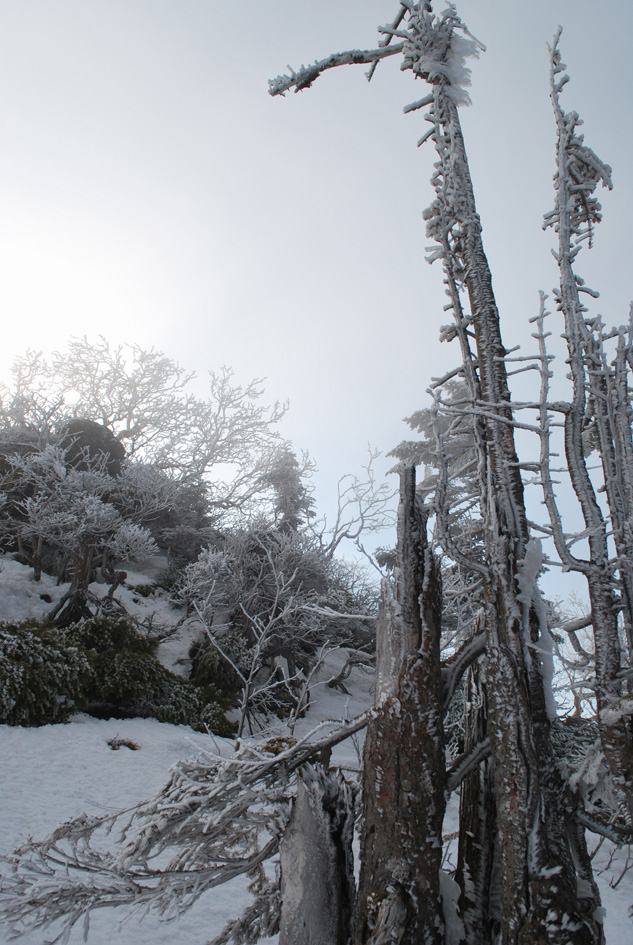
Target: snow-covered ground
(55, 772)
(22, 597)
(52, 773)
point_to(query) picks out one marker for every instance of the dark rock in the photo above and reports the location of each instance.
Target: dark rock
(85, 442)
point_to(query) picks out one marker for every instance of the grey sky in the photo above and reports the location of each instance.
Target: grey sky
(151, 191)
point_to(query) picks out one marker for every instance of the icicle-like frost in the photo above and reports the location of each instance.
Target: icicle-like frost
(435, 51)
(390, 649)
(530, 596)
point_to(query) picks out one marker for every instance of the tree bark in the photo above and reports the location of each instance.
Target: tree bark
(477, 863)
(534, 811)
(403, 767)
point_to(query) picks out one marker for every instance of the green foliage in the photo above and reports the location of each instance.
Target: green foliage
(186, 705)
(212, 717)
(128, 680)
(41, 680)
(102, 666)
(106, 635)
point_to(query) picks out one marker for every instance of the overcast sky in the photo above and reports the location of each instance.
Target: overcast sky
(151, 191)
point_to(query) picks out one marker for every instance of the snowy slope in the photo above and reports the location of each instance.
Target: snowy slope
(52, 773)
(55, 772)
(21, 596)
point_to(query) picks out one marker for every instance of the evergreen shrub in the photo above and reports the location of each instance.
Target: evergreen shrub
(129, 681)
(41, 679)
(103, 666)
(144, 590)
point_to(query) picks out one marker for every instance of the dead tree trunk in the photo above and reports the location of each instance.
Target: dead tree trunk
(317, 876)
(534, 812)
(600, 393)
(477, 865)
(403, 767)
(540, 901)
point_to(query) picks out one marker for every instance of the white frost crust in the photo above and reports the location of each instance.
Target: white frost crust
(530, 596)
(390, 648)
(436, 51)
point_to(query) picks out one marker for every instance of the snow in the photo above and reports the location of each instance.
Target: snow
(449, 891)
(20, 594)
(55, 772)
(52, 773)
(434, 49)
(70, 768)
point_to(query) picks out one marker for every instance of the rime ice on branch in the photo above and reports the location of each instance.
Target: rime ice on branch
(524, 874)
(598, 417)
(532, 806)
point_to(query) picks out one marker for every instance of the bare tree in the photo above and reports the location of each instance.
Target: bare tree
(228, 439)
(29, 406)
(364, 505)
(524, 873)
(532, 806)
(597, 420)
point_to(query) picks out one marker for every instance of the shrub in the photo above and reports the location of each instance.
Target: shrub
(104, 635)
(129, 681)
(184, 704)
(41, 680)
(144, 590)
(103, 666)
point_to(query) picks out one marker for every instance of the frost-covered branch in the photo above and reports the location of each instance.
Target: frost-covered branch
(216, 818)
(269, 602)
(598, 417)
(455, 666)
(144, 399)
(306, 75)
(363, 505)
(617, 833)
(466, 763)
